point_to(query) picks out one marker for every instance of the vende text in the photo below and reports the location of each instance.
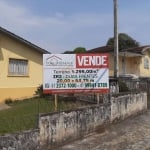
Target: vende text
(91, 61)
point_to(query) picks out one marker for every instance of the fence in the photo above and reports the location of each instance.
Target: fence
(125, 86)
(137, 84)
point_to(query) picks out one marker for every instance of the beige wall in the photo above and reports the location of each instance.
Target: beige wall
(11, 86)
(111, 65)
(143, 71)
(133, 65)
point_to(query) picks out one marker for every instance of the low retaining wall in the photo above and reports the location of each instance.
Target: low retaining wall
(28, 140)
(127, 105)
(66, 126)
(57, 128)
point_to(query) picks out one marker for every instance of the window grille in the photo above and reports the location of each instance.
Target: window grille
(146, 63)
(18, 67)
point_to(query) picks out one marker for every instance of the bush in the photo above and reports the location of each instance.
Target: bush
(8, 101)
(123, 87)
(39, 92)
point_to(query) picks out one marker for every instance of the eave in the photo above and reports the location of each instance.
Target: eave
(22, 40)
(130, 54)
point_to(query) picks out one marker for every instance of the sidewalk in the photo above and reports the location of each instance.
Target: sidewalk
(130, 134)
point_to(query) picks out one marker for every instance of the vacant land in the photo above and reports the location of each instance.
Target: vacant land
(23, 115)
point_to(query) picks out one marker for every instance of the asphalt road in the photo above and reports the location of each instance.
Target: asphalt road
(130, 134)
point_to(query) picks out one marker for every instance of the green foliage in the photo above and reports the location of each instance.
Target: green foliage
(39, 92)
(123, 87)
(125, 41)
(68, 52)
(23, 115)
(79, 50)
(76, 50)
(8, 101)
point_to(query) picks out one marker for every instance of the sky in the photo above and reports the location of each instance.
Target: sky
(63, 25)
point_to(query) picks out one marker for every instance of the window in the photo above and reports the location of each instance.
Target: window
(146, 63)
(18, 67)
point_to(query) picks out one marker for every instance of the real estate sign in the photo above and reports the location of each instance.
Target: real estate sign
(75, 73)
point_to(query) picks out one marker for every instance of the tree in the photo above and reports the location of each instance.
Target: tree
(68, 52)
(76, 50)
(125, 41)
(79, 50)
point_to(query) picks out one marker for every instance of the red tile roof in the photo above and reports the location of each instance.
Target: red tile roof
(103, 49)
(138, 50)
(107, 49)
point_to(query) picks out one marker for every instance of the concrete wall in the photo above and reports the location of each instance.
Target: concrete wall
(65, 126)
(28, 140)
(60, 127)
(127, 105)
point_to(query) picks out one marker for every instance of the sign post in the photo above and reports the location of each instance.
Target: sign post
(56, 101)
(97, 98)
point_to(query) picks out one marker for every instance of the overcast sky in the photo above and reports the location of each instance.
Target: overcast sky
(61, 25)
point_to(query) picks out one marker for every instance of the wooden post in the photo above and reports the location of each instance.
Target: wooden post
(56, 101)
(97, 95)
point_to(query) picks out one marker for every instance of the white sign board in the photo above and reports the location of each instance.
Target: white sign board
(75, 73)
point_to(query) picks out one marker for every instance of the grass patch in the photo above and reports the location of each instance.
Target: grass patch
(23, 115)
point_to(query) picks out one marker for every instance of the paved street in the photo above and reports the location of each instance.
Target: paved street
(130, 134)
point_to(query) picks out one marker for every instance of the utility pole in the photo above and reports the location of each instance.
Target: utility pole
(116, 57)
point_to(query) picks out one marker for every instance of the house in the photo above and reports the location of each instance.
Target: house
(132, 62)
(20, 66)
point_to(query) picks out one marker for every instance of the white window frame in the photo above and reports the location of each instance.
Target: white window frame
(18, 67)
(146, 63)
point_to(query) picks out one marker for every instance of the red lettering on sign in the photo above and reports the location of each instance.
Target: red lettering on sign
(91, 61)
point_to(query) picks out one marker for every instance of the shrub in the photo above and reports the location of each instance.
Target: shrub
(16, 101)
(39, 92)
(8, 101)
(123, 87)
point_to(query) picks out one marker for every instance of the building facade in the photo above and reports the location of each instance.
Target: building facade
(21, 66)
(133, 61)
